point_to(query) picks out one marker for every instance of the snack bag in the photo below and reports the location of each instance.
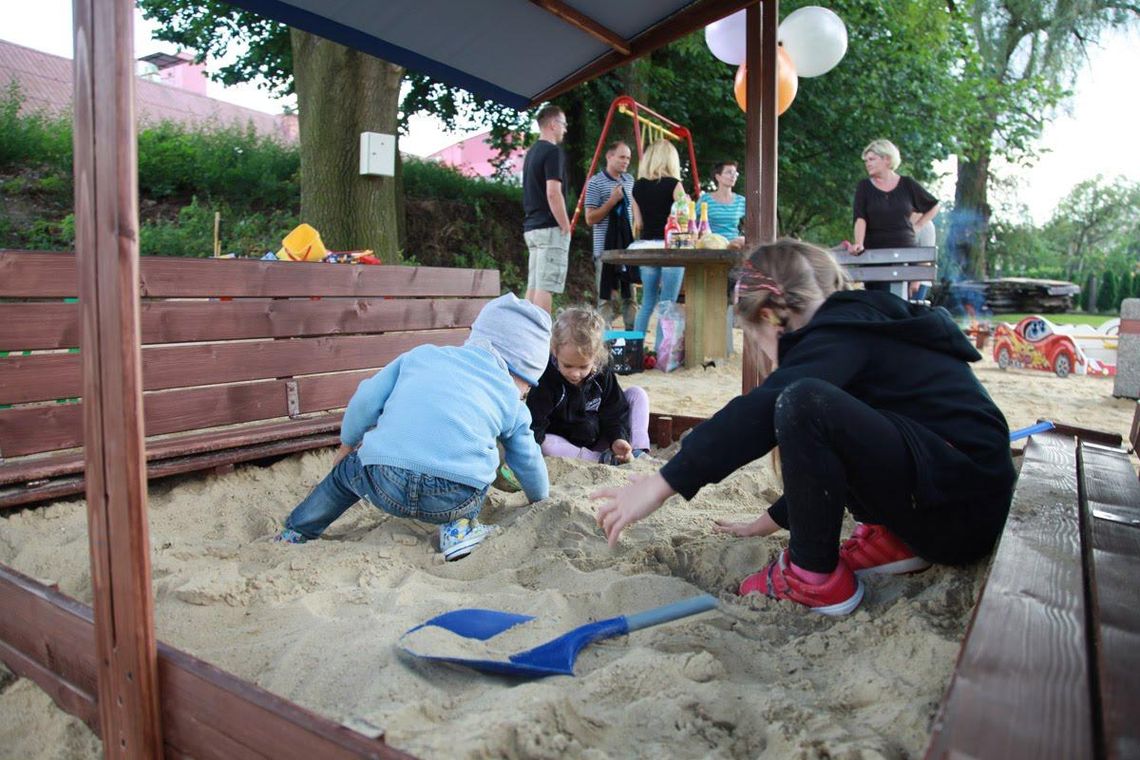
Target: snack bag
(670, 345)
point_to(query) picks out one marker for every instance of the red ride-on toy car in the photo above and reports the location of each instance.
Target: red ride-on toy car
(1032, 344)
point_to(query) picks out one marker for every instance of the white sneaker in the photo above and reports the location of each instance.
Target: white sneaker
(459, 537)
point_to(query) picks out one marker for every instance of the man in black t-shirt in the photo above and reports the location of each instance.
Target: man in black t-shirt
(546, 227)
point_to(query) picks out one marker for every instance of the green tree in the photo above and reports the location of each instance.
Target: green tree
(1095, 224)
(1028, 53)
(1106, 297)
(340, 93)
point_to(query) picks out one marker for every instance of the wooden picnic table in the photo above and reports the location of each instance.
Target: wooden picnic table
(706, 288)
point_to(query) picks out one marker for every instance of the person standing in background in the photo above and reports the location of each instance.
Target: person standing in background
(726, 208)
(546, 226)
(658, 186)
(610, 192)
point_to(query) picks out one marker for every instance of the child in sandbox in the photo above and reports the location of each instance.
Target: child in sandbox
(578, 408)
(419, 437)
(874, 408)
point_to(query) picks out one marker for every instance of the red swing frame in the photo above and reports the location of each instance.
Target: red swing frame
(626, 105)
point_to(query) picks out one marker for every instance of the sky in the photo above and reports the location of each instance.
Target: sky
(1096, 136)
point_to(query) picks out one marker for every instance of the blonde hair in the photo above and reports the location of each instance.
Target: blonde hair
(660, 160)
(886, 149)
(785, 276)
(583, 328)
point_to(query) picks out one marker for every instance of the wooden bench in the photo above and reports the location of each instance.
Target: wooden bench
(897, 266)
(241, 359)
(1047, 669)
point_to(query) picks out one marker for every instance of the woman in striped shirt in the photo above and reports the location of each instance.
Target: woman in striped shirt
(726, 208)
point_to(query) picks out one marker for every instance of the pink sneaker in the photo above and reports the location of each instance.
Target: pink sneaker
(874, 550)
(840, 594)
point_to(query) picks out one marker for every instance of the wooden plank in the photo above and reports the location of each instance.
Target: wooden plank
(1021, 686)
(207, 713)
(1087, 434)
(905, 273)
(48, 639)
(25, 326)
(581, 21)
(39, 468)
(73, 484)
(56, 325)
(52, 275)
(1110, 500)
(47, 377)
(693, 16)
(107, 232)
(887, 256)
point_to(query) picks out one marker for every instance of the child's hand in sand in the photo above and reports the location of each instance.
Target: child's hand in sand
(625, 506)
(623, 452)
(761, 526)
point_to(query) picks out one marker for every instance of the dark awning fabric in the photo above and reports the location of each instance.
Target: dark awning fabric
(513, 51)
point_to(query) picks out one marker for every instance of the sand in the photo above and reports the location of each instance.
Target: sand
(318, 623)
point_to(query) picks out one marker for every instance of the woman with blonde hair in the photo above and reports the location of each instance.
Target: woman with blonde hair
(889, 208)
(874, 409)
(658, 186)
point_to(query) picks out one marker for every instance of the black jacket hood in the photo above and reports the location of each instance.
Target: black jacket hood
(890, 316)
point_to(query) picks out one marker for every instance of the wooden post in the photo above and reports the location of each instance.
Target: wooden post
(760, 140)
(106, 243)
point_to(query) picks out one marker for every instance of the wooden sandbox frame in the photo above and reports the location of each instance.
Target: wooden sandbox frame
(104, 664)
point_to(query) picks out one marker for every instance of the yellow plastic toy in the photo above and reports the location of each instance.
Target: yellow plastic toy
(302, 244)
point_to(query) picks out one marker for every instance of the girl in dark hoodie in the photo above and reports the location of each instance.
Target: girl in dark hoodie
(578, 409)
(874, 408)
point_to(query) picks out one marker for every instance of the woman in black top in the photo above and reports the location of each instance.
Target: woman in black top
(889, 208)
(874, 409)
(658, 186)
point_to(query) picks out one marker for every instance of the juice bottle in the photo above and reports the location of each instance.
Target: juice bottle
(703, 228)
(692, 222)
(671, 227)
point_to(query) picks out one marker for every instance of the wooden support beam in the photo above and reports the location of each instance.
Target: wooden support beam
(581, 21)
(694, 16)
(761, 24)
(106, 236)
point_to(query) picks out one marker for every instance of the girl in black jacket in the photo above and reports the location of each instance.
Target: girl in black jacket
(875, 410)
(578, 410)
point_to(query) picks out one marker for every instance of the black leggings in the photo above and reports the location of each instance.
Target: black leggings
(837, 452)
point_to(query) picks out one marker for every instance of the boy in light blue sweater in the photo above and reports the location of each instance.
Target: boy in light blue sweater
(419, 438)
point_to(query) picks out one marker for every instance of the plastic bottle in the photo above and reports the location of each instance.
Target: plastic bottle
(692, 222)
(703, 229)
(671, 228)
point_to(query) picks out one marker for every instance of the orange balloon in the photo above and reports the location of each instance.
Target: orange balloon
(787, 83)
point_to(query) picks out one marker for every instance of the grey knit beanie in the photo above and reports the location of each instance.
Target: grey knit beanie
(519, 331)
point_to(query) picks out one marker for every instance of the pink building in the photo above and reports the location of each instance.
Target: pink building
(45, 81)
(473, 157)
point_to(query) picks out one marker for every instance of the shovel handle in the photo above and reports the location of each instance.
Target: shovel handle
(684, 608)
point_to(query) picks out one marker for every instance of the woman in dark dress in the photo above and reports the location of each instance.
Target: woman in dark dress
(887, 202)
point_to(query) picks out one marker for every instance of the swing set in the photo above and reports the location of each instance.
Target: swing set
(648, 127)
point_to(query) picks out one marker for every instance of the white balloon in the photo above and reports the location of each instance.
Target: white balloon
(726, 38)
(815, 38)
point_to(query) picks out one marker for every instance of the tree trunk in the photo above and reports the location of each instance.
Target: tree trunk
(970, 221)
(341, 93)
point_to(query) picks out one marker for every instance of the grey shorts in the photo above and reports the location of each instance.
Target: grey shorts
(549, 251)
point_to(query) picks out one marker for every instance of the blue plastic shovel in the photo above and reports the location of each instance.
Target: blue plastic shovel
(556, 657)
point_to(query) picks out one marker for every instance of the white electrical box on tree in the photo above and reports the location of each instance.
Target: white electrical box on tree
(377, 154)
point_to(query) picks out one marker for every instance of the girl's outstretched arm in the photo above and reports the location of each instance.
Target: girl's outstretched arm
(628, 504)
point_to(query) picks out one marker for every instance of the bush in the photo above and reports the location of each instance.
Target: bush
(32, 139)
(428, 180)
(192, 232)
(222, 164)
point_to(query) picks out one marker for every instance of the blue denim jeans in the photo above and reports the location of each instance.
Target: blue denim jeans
(657, 284)
(399, 492)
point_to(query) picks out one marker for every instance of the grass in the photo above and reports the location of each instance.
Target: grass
(1072, 318)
